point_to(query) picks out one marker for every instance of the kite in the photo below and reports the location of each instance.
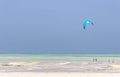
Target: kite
(86, 22)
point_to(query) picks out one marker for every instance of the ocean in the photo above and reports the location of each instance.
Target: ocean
(60, 63)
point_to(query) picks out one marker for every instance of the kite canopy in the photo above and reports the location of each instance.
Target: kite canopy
(86, 22)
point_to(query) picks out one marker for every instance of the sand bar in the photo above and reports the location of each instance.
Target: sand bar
(59, 74)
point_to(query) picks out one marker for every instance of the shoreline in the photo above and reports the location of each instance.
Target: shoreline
(57, 74)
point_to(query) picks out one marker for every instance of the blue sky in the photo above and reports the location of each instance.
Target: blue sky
(55, 26)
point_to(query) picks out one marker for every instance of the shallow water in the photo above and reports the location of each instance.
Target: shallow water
(59, 63)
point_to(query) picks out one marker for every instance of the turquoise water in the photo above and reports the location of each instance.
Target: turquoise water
(59, 62)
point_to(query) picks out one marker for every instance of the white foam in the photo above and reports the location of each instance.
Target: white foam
(20, 63)
(64, 63)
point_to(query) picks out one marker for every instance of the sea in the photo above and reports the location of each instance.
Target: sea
(60, 63)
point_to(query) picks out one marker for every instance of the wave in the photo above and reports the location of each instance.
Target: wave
(64, 63)
(20, 63)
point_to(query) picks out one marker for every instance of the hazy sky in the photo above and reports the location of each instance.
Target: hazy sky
(55, 26)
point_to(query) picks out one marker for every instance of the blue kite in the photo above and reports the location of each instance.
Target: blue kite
(86, 22)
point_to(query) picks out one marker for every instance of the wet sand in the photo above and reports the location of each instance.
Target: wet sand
(59, 74)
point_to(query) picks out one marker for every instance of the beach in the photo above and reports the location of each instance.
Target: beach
(59, 74)
(59, 65)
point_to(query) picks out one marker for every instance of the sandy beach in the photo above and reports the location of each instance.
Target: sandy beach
(59, 74)
(59, 65)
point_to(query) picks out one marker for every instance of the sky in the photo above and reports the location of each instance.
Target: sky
(55, 26)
